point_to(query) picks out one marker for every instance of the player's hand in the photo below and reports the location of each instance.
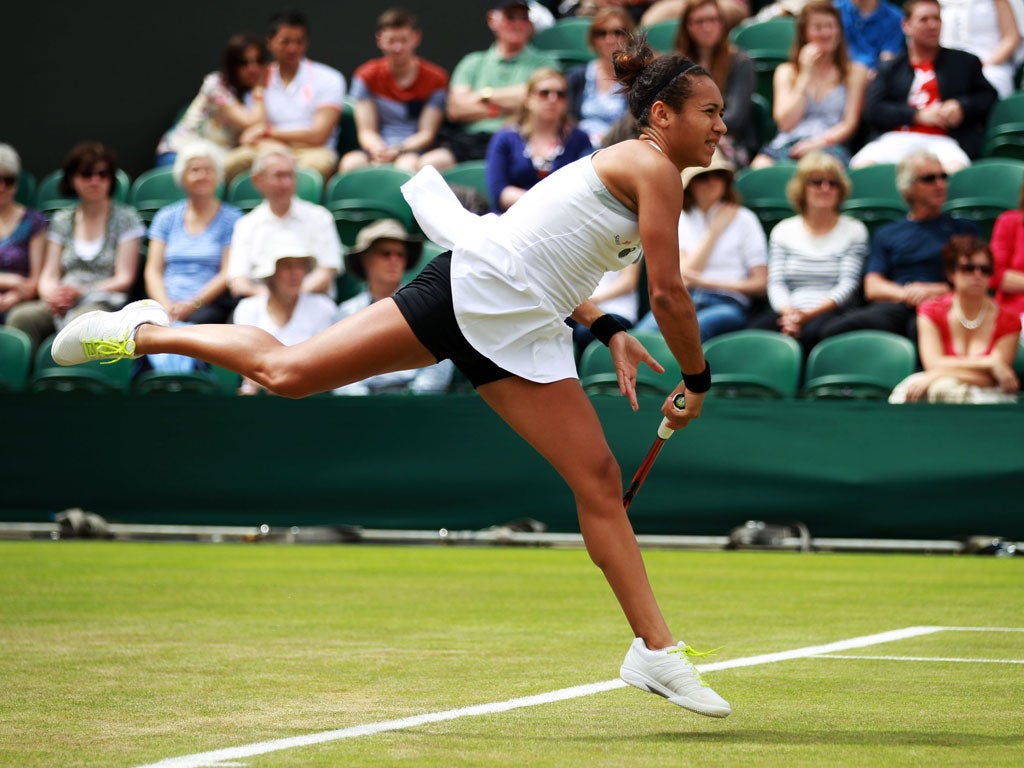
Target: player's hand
(678, 418)
(627, 356)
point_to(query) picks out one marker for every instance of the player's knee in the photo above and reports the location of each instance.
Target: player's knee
(604, 481)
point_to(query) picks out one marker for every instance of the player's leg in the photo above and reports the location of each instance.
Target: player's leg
(375, 340)
(559, 421)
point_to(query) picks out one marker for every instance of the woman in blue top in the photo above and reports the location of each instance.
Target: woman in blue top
(186, 266)
(542, 140)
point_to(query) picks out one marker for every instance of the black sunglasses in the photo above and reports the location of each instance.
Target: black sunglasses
(101, 173)
(547, 93)
(931, 178)
(822, 181)
(984, 269)
(10, 181)
(610, 33)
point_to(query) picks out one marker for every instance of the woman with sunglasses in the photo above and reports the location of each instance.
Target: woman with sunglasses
(540, 141)
(496, 306)
(92, 250)
(22, 238)
(966, 341)
(595, 101)
(818, 94)
(815, 258)
(228, 101)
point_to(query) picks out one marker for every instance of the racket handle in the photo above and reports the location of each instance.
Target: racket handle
(665, 431)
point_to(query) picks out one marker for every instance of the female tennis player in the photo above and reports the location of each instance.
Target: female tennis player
(496, 306)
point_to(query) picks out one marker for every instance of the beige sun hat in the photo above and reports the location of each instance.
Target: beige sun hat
(382, 229)
(718, 163)
(283, 244)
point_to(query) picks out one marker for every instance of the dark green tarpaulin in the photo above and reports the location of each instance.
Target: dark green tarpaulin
(843, 468)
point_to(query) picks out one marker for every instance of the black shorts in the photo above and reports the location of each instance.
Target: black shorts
(426, 304)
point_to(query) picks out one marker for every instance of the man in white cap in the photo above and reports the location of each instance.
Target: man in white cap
(274, 177)
(384, 252)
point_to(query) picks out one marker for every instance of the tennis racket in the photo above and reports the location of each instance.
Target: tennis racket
(664, 433)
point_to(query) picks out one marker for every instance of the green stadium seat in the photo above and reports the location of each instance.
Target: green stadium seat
(763, 190)
(1004, 131)
(91, 377)
(365, 195)
(858, 365)
(469, 173)
(754, 363)
(982, 191)
(26, 192)
(15, 359)
(875, 200)
(153, 190)
(216, 381)
(767, 43)
(662, 36)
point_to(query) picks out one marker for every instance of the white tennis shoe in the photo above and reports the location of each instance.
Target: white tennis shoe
(105, 335)
(670, 673)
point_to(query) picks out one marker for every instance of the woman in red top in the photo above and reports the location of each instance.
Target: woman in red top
(1008, 255)
(966, 341)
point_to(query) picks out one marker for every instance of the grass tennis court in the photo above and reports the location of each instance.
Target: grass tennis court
(132, 654)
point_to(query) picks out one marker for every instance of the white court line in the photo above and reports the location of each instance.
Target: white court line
(921, 658)
(221, 758)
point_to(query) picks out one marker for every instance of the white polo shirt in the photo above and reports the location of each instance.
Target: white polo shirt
(313, 223)
(314, 86)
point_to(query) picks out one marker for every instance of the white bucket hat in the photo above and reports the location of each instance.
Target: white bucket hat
(284, 244)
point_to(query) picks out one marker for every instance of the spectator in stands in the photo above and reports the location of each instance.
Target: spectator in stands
(383, 253)
(1008, 255)
(904, 267)
(228, 102)
(703, 38)
(966, 341)
(541, 140)
(595, 99)
(274, 178)
(733, 12)
(818, 94)
(488, 87)
(92, 251)
(816, 258)
(723, 252)
(873, 30)
(928, 97)
(989, 30)
(303, 99)
(399, 98)
(22, 241)
(285, 309)
(187, 259)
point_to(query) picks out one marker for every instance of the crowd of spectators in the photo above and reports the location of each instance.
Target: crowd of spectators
(866, 83)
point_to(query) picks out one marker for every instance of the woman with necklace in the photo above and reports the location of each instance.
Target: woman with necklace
(967, 342)
(22, 239)
(541, 141)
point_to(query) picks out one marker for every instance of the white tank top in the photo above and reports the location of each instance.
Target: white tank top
(515, 278)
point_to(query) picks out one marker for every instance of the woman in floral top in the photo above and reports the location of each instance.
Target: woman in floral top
(228, 101)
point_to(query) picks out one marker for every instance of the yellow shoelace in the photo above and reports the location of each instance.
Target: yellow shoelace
(692, 653)
(115, 349)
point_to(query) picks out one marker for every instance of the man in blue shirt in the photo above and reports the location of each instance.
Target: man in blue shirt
(904, 267)
(873, 30)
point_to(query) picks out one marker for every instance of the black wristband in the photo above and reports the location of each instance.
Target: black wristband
(605, 327)
(698, 383)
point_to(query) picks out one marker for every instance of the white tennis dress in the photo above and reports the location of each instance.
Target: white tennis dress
(516, 277)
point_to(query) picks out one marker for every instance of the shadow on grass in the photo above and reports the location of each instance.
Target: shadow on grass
(832, 737)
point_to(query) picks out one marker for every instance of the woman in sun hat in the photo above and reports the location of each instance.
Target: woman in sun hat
(496, 305)
(723, 253)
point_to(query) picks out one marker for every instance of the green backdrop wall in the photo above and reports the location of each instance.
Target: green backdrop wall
(844, 469)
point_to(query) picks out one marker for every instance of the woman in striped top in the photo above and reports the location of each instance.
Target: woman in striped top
(816, 258)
